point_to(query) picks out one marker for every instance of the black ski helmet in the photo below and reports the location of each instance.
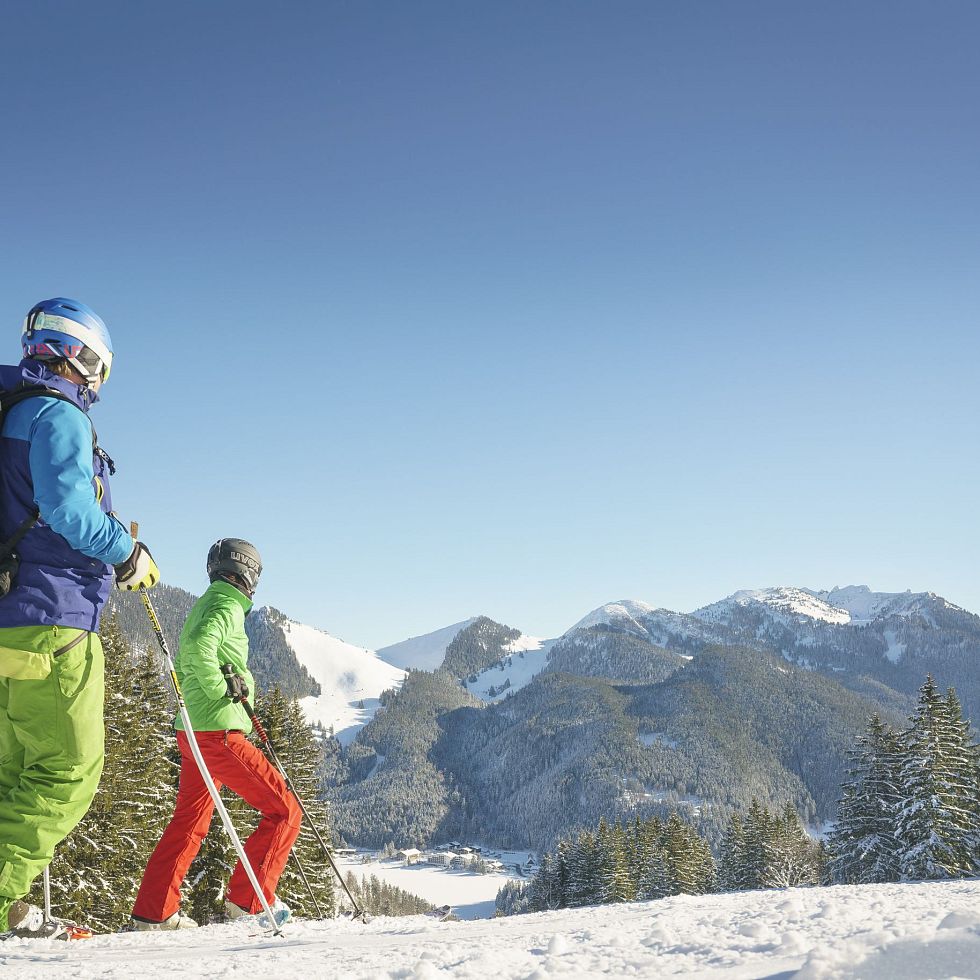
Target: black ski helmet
(235, 556)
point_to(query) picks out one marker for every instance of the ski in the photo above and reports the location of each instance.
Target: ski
(70, 932)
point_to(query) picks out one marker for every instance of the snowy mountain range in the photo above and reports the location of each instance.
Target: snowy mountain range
(842, 630)
(517, 739)
(797, 622)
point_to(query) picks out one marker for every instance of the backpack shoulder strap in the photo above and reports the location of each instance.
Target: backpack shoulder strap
(8, 399)
(15, 395)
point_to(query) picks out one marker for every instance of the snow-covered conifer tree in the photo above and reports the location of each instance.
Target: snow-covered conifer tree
(863, 846)
(937, 817)
(733, 870)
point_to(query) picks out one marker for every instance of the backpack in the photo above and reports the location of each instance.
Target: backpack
(9, 560)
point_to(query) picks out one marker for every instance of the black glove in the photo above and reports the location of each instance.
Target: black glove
(237, 688)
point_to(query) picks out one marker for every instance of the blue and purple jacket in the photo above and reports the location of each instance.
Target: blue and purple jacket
(48, 460)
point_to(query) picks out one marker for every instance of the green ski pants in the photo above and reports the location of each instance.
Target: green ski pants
(52, 744)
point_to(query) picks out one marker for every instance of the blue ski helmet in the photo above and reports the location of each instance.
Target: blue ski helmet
(64, 329)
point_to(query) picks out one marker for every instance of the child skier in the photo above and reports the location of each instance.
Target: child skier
(213, 637)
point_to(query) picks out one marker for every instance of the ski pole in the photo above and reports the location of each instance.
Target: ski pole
(266, 741)
(47, 895)
(199, 759)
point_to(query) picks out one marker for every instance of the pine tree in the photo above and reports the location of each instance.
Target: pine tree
(652, 879)
(541, 892)
(690, 866)
(561, 874)
(963, 784)
(937, 819)
(733, 871)
(584, 884)
(758, 838)
(863, 847)
(793, 858)
(615, 884)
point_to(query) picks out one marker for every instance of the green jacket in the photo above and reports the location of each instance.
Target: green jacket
(214, 634)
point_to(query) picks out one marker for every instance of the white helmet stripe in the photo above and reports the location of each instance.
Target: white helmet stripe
(50, 321)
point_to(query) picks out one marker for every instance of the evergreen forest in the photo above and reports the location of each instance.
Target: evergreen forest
(909, 810)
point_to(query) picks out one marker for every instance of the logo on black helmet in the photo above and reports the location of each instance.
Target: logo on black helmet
(244, 559)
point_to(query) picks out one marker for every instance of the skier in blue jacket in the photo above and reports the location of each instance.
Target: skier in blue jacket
(54, 487)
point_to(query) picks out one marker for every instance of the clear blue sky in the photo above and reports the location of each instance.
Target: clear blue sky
(516, 308)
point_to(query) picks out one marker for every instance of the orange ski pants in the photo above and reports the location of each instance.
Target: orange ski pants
(233, 762)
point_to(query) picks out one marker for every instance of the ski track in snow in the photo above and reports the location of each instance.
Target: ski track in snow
(876, 932)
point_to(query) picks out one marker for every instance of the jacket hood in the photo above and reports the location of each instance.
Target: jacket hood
(34, 372)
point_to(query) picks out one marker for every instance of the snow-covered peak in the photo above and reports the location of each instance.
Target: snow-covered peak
(865, 605)
(785, 601)
(423, 652)
(853, 605)
(622, 613)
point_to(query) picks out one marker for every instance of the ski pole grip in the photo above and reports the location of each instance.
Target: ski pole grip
(256, 724)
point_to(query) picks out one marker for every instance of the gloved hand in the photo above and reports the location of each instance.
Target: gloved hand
(237, 688)
(138, 570)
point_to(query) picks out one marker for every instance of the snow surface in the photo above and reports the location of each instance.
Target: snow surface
(658, 738)
(347, 675)
(423, 652)
(876, 932)
(895, 650)
(528, 657)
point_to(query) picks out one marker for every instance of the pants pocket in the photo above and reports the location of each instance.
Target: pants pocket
(80, 693)
(72, 665)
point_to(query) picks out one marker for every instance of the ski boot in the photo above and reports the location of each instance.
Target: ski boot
(280, 911)
(176, 921)
(27, 922)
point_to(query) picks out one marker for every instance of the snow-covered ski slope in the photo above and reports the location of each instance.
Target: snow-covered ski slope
(351, 679)
(424, 652)
(526, 657)
(876, 932)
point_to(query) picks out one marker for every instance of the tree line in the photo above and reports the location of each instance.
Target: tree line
(909, 811)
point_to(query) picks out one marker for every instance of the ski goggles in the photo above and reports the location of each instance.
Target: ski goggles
(83, 359)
